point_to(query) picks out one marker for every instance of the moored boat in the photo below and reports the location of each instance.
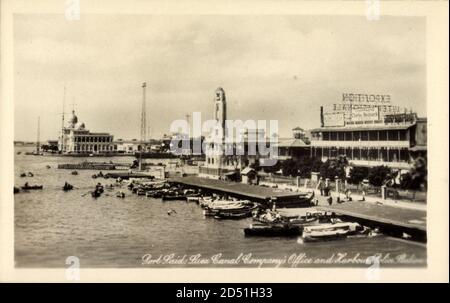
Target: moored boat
(272, 230)
(330, 231)
(32, 187)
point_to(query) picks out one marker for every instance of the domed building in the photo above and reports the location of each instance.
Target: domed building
(77, 139)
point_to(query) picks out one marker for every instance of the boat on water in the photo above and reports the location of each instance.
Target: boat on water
(272, 230)
(67, 187)
(193, 199)
(16, 190)
(96, 194)
(245, 213)
(226, 207)
(32, 187)
(330, 231)
(23, 175)
(120, 194)
(74, 173)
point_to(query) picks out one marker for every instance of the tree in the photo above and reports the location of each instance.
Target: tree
(378, 175)
(358, 174)
(334, 167)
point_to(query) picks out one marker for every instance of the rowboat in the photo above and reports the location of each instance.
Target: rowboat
(223, 206)
(272, 230)
(330, 231)
(245, 213)
(193, 199)
(96, 194)
(32, 187)
(120, 194)
(67, 187)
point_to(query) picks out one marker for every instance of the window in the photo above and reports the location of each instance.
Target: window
(364, 136)
(373, 135)
(402, 135)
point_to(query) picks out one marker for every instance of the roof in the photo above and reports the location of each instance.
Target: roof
(246, 170)
(363, 127)
(251, 191)
(292, 143)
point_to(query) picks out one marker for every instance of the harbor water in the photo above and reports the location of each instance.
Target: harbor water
(110, 232)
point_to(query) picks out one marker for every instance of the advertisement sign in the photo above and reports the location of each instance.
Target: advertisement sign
(366, 98)
(333, 119)
(363, 114)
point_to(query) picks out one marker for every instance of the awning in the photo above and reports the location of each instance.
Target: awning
(247, 170)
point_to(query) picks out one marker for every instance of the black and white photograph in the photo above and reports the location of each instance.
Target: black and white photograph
(239, 140)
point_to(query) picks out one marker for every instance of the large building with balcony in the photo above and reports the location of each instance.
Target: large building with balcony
(391, 139)
(76, 139)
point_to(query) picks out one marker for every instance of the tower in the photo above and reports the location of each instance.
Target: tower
(220, 109)
(143, 115)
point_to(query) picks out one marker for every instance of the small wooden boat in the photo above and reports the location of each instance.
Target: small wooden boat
(120, 194)
(32, 187)
(192, 199)
(272, 230)
(141, 192)
(74, 173)
(99, 188)
(67, 187)
(19, 153)
(94, 176)
(233, 215)
(173, 197)
(30, 174)
(96, 194)
(48, 166)
(330, 231)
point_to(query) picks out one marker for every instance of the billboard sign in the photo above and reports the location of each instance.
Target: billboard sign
(333, 119)
(365, 114)
(366, 98)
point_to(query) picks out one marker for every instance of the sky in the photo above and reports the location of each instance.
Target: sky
(271, 68)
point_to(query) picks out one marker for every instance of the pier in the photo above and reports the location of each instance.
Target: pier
(390, 219)
(94, 166)
(244, 191)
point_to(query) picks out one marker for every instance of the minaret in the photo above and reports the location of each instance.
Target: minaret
(220, 109)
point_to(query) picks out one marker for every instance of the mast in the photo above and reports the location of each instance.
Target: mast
(143, 124)
(62, 123)
(38, 144)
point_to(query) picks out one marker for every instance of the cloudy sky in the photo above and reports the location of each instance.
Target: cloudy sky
(271, 67)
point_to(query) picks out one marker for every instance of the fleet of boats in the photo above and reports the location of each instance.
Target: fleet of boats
(312, 226)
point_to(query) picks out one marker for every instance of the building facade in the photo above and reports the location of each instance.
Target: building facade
(387, 139)
(77, 139)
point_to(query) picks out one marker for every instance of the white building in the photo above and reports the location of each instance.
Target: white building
(77, 139)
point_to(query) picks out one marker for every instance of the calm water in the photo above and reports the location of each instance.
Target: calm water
(51, 225)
